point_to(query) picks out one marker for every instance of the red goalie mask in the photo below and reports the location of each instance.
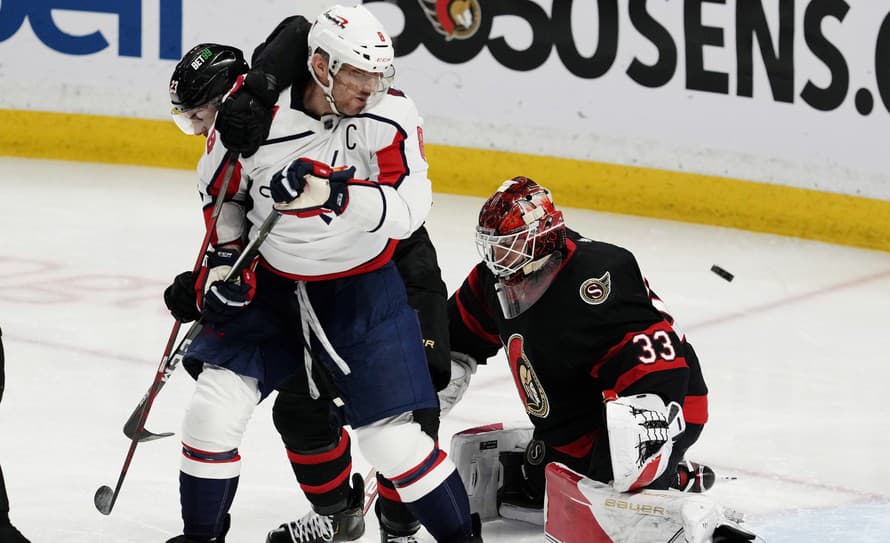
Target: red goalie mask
(518, 228)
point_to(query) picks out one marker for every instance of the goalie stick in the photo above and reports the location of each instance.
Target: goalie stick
(105, 497)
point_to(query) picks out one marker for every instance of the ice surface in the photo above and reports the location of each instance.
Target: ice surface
(794, 350)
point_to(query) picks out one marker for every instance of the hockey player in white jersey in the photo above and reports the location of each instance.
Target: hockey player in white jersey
(317, 447)
(344, 164)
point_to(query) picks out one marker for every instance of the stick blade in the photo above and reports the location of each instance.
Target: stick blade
(131, 427)
(104, 499)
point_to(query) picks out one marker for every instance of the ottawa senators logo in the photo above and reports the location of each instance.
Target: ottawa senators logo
(453, 18)
(596, 291)
(527, 383)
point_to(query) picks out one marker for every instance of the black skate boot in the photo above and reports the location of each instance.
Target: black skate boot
(397, 524)
(9, 534)
(347, 525)
(389, 536)
(693, 477)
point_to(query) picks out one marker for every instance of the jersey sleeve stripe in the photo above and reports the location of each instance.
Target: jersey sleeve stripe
(695, 409)
(471, 322)
(392, 162)
(219, 176)
(639, 371)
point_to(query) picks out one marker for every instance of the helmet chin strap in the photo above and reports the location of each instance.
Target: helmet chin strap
(328, 89)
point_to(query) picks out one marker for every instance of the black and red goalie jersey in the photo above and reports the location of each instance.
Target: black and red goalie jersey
(596, 327)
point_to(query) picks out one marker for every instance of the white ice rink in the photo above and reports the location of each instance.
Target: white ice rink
(795, 351)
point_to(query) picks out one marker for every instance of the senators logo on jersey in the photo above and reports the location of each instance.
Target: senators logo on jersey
(453, 18)
(527, 384)
(595, 291)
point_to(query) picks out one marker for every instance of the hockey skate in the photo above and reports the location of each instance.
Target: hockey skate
(347, 525)
(693, 477)
(387, 537)
(391, 532)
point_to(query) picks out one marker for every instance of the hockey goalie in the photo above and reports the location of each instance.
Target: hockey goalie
(613, 391)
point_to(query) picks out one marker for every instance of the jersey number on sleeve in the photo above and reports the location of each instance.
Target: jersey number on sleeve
(656, 346)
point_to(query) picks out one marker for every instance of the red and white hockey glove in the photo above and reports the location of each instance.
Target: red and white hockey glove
(307, 188)
(218, 300)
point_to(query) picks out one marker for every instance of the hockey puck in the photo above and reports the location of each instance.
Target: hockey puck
(721, 272)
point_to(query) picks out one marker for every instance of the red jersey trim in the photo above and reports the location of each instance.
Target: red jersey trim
(375, 263)
(472, 323)
(581, 447)
(392, 162)
(695, 409)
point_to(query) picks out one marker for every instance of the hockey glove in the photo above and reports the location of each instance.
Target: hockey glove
(245, 116)
(180, 298)
(641, 431)
(221, 301)
(462, 369)
(307, 188)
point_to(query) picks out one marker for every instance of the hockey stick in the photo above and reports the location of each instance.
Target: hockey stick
(370, 490)
(132, 428)
(105, 497)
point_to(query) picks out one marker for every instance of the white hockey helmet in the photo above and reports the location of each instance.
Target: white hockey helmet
(352, 35)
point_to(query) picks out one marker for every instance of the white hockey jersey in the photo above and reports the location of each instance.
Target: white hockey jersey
(384, 144)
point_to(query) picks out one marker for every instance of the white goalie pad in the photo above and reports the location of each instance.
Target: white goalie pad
(641, 434)
(476, 453)
(580, 510)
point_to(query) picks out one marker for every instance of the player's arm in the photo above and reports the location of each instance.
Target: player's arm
(245, 117)
(395, 199)
(398, 196)
(473, 336)
(284, 52)
(639, 362)
(185, 296)
(213, 168)
(418, 265)
(471, 326)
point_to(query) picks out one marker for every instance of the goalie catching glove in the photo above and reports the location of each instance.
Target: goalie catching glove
(463, 367)
(641, 431)
(307, 188)
(219, 300)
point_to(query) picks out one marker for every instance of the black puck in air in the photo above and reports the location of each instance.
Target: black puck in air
(721, 272)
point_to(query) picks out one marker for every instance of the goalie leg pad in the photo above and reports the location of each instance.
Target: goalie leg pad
(581, 510)
(476, 453)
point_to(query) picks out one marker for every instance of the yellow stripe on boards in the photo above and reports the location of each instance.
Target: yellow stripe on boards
(647, 192)
(687, 197)
(93, 138)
